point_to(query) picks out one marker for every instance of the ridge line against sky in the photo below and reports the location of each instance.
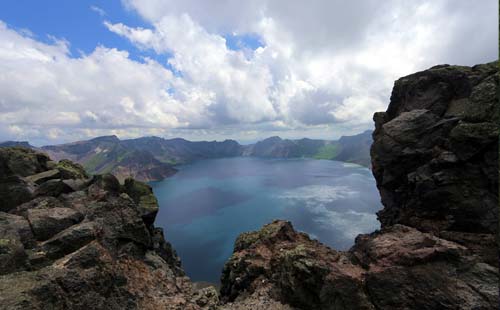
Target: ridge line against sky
(221, 69)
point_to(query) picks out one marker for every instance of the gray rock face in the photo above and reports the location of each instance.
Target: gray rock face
(435, 150)
(14, 190)
(48, 222)
(85, 244)
(41, 177)
(54, 188)
(15, 232)
(398, 267)
(21, 161)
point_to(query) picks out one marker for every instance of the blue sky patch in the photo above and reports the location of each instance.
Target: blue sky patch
(245, 41)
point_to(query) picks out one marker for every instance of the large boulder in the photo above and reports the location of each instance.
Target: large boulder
(14, 190)
(143, 195)
(41, 177)
(69, 240)
(53, 187)
(15, 234)
(21, 161)
(47, 222)
(71, 170)
(302, 272)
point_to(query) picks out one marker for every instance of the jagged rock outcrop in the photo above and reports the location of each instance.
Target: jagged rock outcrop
(435, 154)
(435, 160)
(398, 267)
(84, 242)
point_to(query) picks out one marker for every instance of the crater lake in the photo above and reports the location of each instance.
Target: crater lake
(208, 203)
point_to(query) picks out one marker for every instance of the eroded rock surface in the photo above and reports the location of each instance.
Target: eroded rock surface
(80, 242)
(435, 150)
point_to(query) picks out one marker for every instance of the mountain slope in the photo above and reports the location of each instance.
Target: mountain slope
(152, 158)
(179, 151)
(108, 155)
(16, 143)
(354, 149)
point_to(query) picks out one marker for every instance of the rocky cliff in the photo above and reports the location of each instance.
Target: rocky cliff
(435, 160)
(71, 241)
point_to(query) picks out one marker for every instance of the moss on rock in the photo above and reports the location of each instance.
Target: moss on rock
(71, 170)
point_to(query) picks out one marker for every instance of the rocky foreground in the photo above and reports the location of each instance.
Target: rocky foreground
(70, 241)
(73, 241)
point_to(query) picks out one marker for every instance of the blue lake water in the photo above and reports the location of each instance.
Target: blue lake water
(207, 204)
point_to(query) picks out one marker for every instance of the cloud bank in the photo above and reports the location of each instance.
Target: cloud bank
(318, 69)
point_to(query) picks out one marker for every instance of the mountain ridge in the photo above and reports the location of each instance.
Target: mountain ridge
(154, 158)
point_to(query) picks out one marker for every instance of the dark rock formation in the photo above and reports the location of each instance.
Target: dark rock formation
(435, 159)
(87, 246)
(435, 155)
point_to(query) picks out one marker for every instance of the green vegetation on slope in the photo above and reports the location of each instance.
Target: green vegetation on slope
(328, 151)
(95, 162)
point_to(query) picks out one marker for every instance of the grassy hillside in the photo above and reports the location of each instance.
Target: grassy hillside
(328, 151)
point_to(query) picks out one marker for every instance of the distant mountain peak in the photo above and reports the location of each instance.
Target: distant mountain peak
(16, 143)
(111, 138)
(273, 138)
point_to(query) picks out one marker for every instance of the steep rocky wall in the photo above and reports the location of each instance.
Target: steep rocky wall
(435, 155)
(435, 150)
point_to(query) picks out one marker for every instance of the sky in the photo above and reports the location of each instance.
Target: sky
(221, 69)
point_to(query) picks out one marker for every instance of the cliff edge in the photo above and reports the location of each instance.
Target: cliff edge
(72, 241)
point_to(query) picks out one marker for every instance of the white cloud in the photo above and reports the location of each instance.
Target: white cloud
(325, 67)
(44, 88)
(239, 89)
(320, 199)
(98, 10)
